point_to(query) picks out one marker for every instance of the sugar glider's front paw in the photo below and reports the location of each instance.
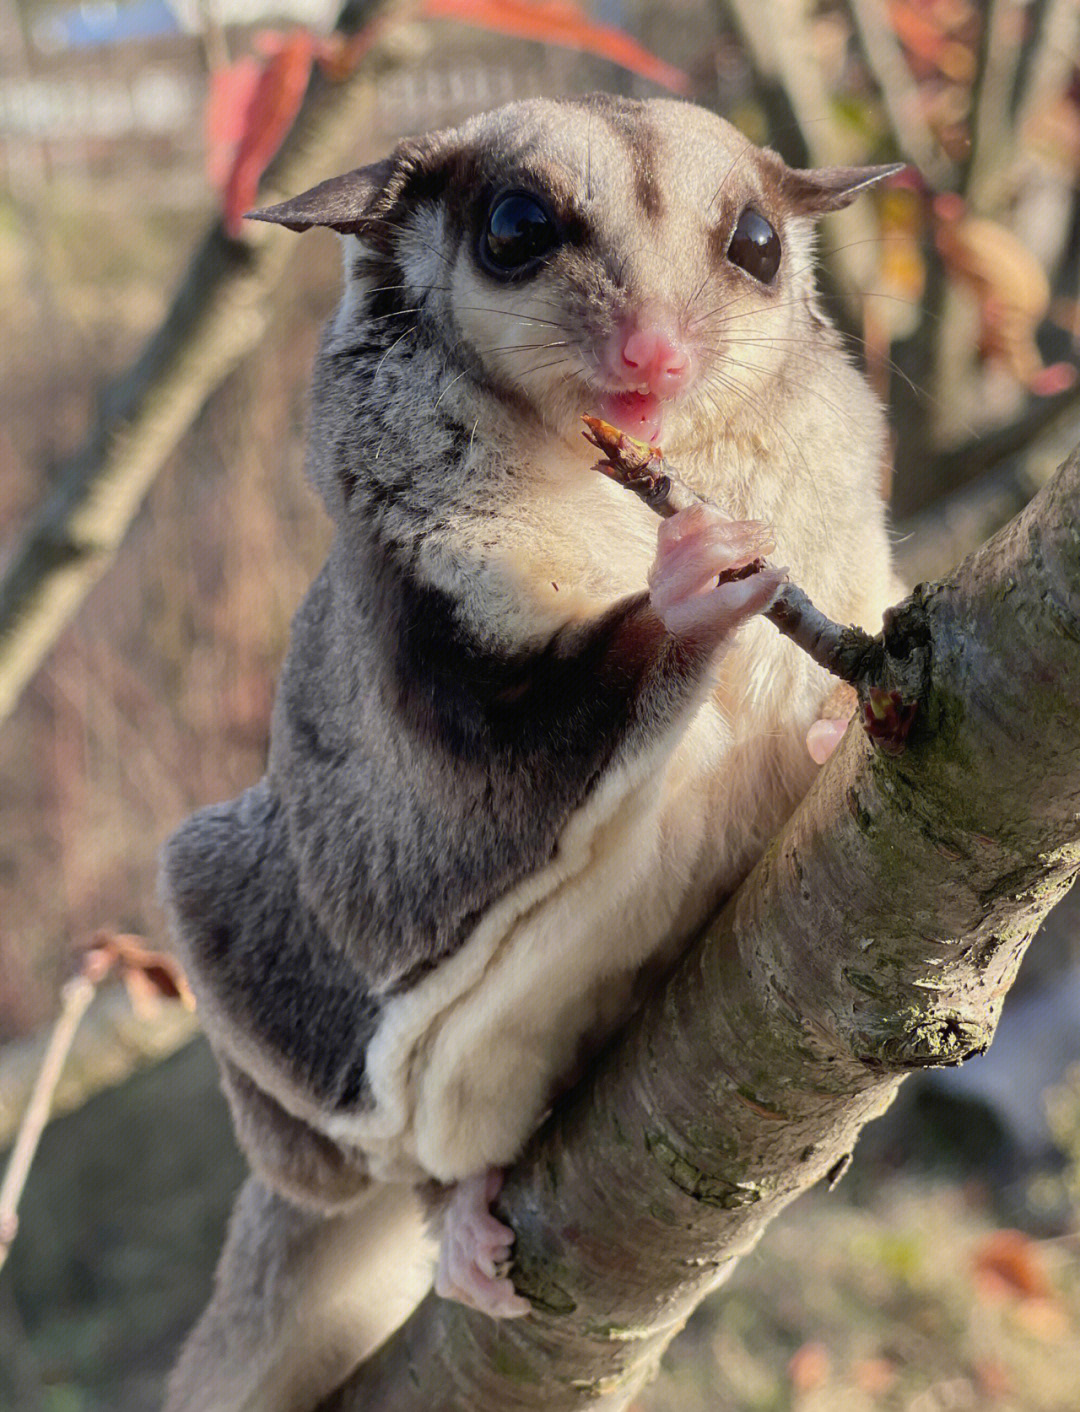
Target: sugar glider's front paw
(474, 1245)
(693, 550)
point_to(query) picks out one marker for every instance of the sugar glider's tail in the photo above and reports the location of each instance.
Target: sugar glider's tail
(300, 1298)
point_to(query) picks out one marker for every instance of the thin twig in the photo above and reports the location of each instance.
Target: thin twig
(993, 131)
(149, 977)
(75, 998)
(847, 652)
(1050, 64)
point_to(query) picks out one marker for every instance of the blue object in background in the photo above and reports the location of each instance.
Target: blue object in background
(93, 25)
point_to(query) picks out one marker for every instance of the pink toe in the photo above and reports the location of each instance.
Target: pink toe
(822, 739)
(474, 1247)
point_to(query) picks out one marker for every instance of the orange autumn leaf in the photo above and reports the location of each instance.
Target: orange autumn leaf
(1011, 1263)
(809, 1367)
(926, 40)
(989, 257)
(271, 112)
(1011, 287)
(1044, 1319)
(564, 23)
(250, 113)
(875, 1376)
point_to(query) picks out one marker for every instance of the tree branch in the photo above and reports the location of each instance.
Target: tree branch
(899, 93)
(878, 935)
(779, 44)
(1051, 62)
(216, 317)
(934, 538)
(113, 1042)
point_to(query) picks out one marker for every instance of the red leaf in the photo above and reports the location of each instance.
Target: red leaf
(1011, 287)
(271, 112)
(887, 719)
(564, 23)
(231, 90)
(924, 37)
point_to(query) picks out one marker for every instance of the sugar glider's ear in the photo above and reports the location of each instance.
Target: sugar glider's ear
(812, 191)
(343, 203)
(352, 202)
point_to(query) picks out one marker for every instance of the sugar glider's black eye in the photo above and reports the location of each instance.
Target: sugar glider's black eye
(518, 233)
(755, 247)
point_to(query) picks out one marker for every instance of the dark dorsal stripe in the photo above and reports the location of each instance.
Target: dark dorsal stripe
(626, 119)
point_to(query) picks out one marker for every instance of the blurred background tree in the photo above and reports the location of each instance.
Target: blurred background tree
(171, 423)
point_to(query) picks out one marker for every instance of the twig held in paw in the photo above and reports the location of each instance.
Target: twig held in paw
(847, 652)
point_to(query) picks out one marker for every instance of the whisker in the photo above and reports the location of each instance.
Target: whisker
(811, 264)
(845, 417)
(765, 340)
(476, 308)
(447, 388)
(769, 418)
(390, 350)
(539, 368)
(523, 347)
(724, 179)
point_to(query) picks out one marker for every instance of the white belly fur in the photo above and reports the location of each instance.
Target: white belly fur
(464, 1065)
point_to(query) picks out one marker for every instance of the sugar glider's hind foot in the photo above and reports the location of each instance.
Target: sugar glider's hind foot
(474, 1246)
(827, 732)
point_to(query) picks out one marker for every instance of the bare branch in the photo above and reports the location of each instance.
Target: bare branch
(1020, 460)
(1052, 61)
(779, 42)
(111, 1044)
(150, 977)
(993, 134)
(899, 92)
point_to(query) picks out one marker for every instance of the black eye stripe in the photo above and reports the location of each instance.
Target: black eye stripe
(518, 233)
(755, 247)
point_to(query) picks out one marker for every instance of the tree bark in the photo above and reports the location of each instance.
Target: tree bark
(217, 316)
(878, 935)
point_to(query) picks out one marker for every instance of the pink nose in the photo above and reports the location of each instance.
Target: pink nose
(650, 350)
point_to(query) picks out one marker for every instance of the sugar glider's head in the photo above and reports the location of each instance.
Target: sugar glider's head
(638, 260)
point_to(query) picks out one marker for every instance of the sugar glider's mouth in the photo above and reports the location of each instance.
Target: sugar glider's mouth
(639, 413)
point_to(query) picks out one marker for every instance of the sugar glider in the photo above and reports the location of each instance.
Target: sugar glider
(523, 741)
